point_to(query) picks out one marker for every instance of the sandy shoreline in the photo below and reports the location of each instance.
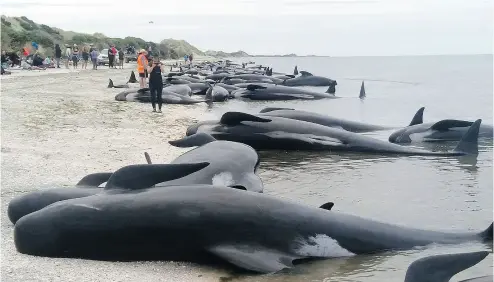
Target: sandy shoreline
(60, 125)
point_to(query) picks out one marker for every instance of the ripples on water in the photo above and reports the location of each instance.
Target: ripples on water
(438, 193)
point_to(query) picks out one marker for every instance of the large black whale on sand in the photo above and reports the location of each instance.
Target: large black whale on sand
(278, 133)
(144, 96)
(231, 164)
(205, 223)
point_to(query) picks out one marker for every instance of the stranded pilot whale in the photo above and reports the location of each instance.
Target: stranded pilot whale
(253, 231)
(133, 175)
(348, 125)
(278, 133)
(443, 130)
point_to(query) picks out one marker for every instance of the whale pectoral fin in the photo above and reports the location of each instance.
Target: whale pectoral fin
(418, 118)
(442, 267)
(312, 139)
(197, 139)
(446, 124)
(270, 109)
(94, 179)
(234, 118)
(254, 258)
(252, 87)
(134, 177)
(327, 206)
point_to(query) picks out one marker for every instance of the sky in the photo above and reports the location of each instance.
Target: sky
(303, 27)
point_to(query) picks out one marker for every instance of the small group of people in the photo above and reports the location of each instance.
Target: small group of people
(153, 70)
(112, 53)
(188, 58)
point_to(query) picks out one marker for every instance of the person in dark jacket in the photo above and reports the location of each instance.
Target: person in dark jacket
(58, 54)
(156, 84)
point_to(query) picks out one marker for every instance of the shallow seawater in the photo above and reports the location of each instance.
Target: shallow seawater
(438, 193)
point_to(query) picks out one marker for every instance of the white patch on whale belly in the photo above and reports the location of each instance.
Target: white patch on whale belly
(419, 137)
(321, 245)
(224, 178)
(87, 206)
(102, 185)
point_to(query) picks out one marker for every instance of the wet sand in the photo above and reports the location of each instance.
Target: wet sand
(59, 125)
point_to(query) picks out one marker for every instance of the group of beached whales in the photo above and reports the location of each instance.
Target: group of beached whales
(207, 205)
(221, 81)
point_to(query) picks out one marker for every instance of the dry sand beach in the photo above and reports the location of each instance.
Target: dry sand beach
(59, 125)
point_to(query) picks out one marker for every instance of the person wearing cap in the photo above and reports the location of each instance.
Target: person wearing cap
(156, 84)
(142, 64)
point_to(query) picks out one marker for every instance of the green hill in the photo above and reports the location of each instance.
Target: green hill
(18, 32)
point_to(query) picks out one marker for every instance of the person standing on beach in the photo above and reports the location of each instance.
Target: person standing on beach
(121, 58)
(68, 54)
(111, 57)
(156, 84)
(94, 59)
(58, 54)
(75, 56)
(186, 58)
(190, 58)
(85, 57)
(142, 64)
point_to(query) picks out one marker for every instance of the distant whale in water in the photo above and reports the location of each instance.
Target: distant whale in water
(307, 79)
(443, 130)
(441, 268)
(278, 133)
(199, 223)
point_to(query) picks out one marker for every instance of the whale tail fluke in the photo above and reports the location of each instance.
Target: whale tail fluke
(442, 267)
(332, 88)
(487, 234)
(194, 140)
(362, 91)
(110, 84)
(469, 141)
(142, 176)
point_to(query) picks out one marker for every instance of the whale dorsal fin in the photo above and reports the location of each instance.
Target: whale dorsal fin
(132, 78)
(442, 267)
(197, 139)
(270, 109)
(295, 71)
(418, 118)
(469, 141)
(254, 258)
(252, 87)
(362, 91)
(446, 124)
(306, 73)
(110, 83)
(234, 118)
(135, 177)
(327, 206)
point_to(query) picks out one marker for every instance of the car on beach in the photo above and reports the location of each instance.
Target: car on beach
(103, 57)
